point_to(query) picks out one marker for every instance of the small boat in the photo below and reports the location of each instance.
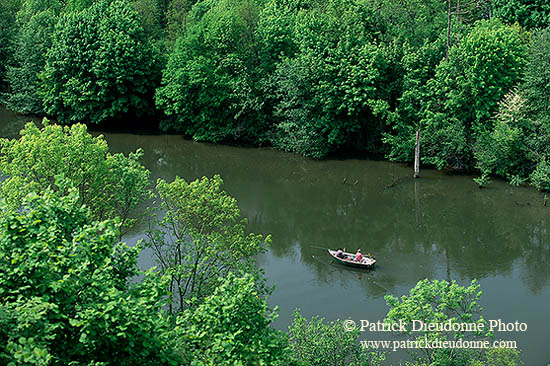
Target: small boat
(367, 262)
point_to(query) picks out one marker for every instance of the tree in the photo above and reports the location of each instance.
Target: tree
(73, 6)
(535, 89)
(100, 66)
(326, 91)
(529, 13)
(208, 90)
(67, 291)
(466, 89)
(537, 84)
(419, 65)
(469, 11)
(318, 343)
(35, 22)
(517, 148)
(230, 327)
(540, 177)
(8, 29)
(201, 238)
(176, 18)
(500, 357)
(274, 33)
(438, 302)
(110, 185)
(150, 16)
(412, 21)
(507, 150)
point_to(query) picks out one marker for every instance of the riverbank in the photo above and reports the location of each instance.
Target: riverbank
(143, 128)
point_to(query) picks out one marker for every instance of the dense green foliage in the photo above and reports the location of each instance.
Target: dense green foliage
(150, 17)
(466, 89)
(72, 294)
(537, 77)
(419, 66)
(35, 25)
(232, 327)
(316, 77)
(8, 31)
(201, 238)
(506, 151)
(66, 291)
(68, 298)
(518, 145)
(441, 302)
(500, 357)
(438, 302)
(208, 85)
(529, 13)
(326, 91)
(309, 76)
(100, 66)
(111, 185)
(451, 101)
(318, 343)
(313, 77)
(175, 13)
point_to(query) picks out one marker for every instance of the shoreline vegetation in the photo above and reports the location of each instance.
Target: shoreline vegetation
(470, 78)
(465, 82)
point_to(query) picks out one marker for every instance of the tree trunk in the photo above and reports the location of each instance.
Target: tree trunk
(417, 155)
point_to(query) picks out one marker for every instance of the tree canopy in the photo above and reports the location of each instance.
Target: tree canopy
(232, 327)
(35, 25)
(66, 290)
(312, 77)
(111, 185)
(201, 238)
(100, 66)
(439, 301)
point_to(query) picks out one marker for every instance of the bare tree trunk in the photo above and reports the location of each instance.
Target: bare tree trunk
(457, 12)
(448, 30)
(417, 155)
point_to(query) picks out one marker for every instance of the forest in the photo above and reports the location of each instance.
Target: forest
(318, 78)
(313, 77)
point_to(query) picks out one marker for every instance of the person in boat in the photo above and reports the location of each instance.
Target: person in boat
(358, 256)
(340, 253)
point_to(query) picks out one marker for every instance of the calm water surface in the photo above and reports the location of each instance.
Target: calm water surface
(437, 227)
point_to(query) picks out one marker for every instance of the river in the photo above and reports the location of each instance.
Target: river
(440, 226)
